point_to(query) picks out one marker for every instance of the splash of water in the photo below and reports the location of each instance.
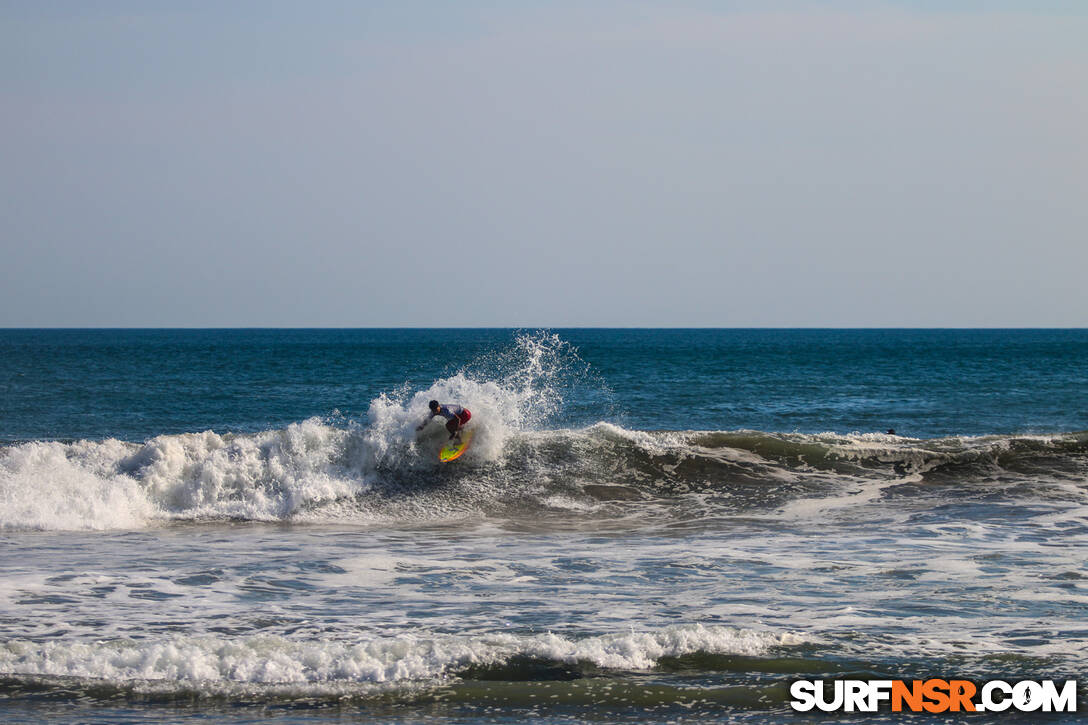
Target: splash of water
(517, 389)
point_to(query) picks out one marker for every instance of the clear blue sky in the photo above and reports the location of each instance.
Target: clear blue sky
(543, 163)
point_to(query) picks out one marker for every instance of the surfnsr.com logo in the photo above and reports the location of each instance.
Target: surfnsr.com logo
(933, 695)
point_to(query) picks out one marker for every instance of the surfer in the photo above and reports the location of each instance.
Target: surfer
(455, 416)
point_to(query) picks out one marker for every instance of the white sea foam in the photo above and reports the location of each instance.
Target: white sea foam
(48, 486)
(110, 484)
(278, 660)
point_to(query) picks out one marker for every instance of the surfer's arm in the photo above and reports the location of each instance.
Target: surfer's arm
(423, 425)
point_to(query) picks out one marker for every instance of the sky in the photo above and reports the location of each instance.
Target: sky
(543, 164)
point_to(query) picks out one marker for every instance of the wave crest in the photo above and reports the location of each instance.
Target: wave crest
(315, 472)
(271, 660)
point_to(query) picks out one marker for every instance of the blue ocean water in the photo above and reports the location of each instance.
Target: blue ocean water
(650, 526)
(135, 384)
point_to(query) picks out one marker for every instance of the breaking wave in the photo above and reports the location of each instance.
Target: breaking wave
(316, 472)
(273, 660)
(381, 470)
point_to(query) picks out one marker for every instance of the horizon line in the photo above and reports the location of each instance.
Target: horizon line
(538, 327)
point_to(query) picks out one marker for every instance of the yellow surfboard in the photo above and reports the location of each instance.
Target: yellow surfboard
(456, 448)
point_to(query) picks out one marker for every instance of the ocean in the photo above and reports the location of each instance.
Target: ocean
(666, 525)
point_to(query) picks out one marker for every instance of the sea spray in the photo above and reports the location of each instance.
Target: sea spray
(519, 388)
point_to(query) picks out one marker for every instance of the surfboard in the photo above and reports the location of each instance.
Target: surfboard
(456, 448)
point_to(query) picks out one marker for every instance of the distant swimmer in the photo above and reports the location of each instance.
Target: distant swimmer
(455, 416)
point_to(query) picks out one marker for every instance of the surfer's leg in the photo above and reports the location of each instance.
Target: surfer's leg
(453, 426)
(460, 420)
